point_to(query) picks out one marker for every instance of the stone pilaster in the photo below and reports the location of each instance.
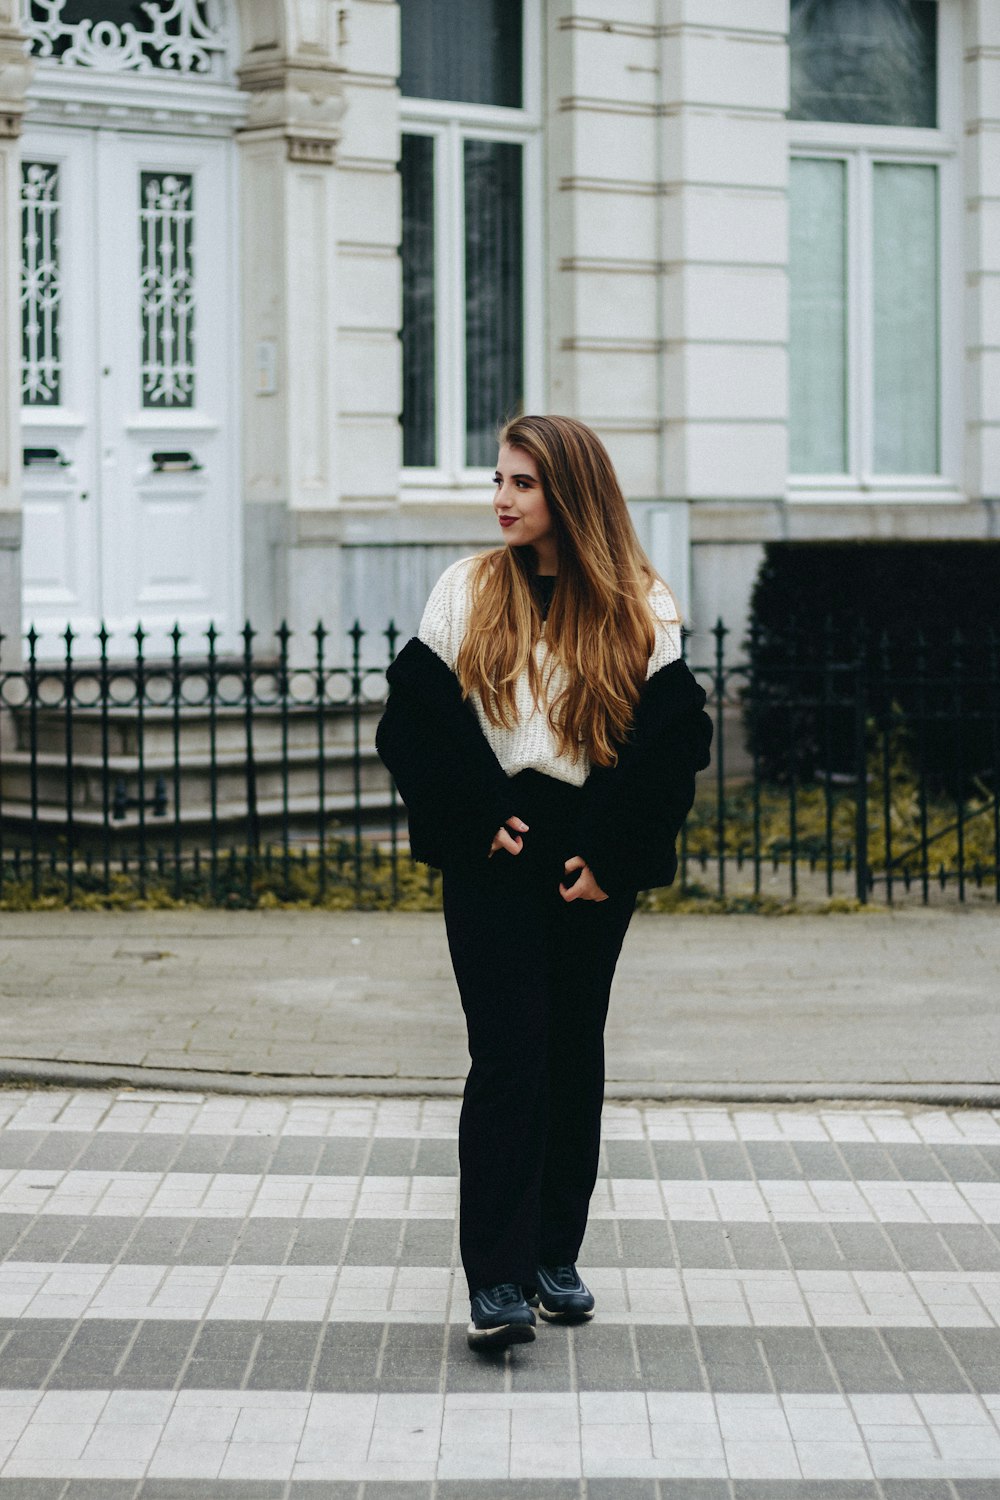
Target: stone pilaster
(293, 77)
(981, 95)
(15, 74)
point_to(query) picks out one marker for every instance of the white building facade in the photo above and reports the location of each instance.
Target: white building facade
(273, 271)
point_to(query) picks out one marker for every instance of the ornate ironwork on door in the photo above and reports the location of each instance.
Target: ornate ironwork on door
(41, 288)
(167, 288)
(179, 36)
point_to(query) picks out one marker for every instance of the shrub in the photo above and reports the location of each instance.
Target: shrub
(916, 624)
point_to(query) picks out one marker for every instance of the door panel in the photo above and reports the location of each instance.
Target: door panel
(156, 415)
(61, 556)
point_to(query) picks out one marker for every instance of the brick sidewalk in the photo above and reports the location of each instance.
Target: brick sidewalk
(898, 1004)
(229, 1299)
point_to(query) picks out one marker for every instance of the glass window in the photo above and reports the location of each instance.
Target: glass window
(869, 62)
(41, 285)
(464, 50)
(818, 350)
(493, 293)
(419, 356)
(905, 284)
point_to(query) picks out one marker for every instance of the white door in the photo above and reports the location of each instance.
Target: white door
(131, 510)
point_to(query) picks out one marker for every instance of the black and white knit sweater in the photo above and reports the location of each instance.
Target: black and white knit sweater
(455, 777)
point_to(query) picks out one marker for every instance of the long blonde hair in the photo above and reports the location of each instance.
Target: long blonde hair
(600, 626)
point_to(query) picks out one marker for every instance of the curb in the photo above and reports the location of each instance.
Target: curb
(16, 1072)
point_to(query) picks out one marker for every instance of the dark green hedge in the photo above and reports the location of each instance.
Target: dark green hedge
(925, 619)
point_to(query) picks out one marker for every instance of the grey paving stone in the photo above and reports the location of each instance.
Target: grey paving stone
(920, 1163)
(926, 1361)
(776, 1159)
(600, 1247)
(804, 1489)
(929, 1489)
(920, 1247)
(315, 1242)
(389, 1489)
(797, 1359)
(348, 1357)
(668, 1358)
(604, 1358)
(335, 1489)
(58, 1149)
(725, 1160)
(627, 1158)
(820, 1159)
(869, 1161)
(249, 1153)
(694, 1489)
(49, 1237)
(621, 1489)
(390, 1157)
(861, 1360)
(211, 1489)
(734, 1359)
(12, 1227)
(372, 1242)
(977, 1351)
(437, 1158)
(644, 1242)
(974, 1247)
(296, 1154)
(160, 1153)
(103, 1240)
(209, 1242)
(17, 1147)
(267, 1242)
(811, 1247)
(756, 1247)
(157, 1356)
(505, 1489)
(468, 1370)
(100, 1489)
(702, 1245)
(32, 1489)
(676, 1160)
(970, 1164)
(864, 1247)
(342, 1157)
(107, 1151)
(966, 1489)
(427, 1242)
(91, 1357)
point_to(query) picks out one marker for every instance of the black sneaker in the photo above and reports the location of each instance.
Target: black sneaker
(562, 1296)
(500, 1316)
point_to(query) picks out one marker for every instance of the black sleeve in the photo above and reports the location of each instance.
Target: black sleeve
(456, 793)
(632, 812)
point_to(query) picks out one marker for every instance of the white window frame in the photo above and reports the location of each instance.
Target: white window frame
(450, 124)
(861, 147)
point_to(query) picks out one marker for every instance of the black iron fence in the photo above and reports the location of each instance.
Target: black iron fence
(866, 772)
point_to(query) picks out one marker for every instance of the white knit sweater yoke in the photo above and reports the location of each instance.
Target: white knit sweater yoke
(530, 744)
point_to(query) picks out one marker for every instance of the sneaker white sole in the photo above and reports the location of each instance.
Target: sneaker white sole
(552, 1315)
(500, 1337)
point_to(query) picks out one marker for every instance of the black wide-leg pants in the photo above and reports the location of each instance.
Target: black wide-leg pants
(534, 973)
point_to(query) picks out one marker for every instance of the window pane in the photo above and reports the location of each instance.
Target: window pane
(462, 49)
(905, 269)
(166, 280)
(494, 382)
(818, 277)
(41, 285)
(872, 62)
(419, 396)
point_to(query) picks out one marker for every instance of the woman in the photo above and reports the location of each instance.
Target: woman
(544, 734)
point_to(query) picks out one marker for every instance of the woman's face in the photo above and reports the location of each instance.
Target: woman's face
(520, 503)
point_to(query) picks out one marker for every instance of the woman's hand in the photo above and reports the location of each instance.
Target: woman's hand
(512, 842)
(584, 887)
